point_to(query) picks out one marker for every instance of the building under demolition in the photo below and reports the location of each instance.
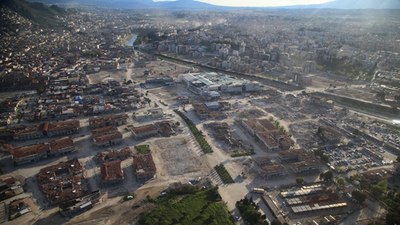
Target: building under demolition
(268, 134)
(144, 167)
(63, 182)
(315, 198)
(112, 173)
(163, 129)
(291, 162)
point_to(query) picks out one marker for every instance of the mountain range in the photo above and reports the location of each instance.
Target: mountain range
(193, 4)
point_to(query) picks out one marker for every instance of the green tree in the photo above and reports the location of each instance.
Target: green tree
(276, 222)
(340, 181)
(393, 215)
(379, 189)
(327, 176)
(359, 196)
(299, 180)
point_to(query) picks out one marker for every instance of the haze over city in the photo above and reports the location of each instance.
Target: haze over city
(258, 3)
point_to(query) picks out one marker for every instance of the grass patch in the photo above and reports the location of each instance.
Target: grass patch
(142, 149)
(203, 207)
(223, 174)
(205, 147)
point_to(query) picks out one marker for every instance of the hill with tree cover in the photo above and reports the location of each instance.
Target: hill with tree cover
(35, 11)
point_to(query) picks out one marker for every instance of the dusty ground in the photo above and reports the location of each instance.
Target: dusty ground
(104, 76)
(177, 158)
(115, 211)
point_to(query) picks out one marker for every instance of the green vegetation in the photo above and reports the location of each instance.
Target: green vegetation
(393, 202)
(142, 149)
(341, 182)
(205, 147)
(300, 180)
(359, 196)
(344, 67)
(204, 207)
(379, 190)
(322, 155)
(327, 176)
(223, 174)
(278, 125)
(243, 153)
(249, 211)
(35, 11)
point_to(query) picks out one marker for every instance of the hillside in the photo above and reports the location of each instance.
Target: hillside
(36, 12)
(363, 4)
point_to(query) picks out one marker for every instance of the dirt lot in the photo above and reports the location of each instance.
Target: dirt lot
(104, 76)
(176, 158)
(115, 211)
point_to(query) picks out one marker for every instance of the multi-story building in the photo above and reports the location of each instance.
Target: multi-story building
(144, 167)
(111, 120)
(61, 146)
(28, 133)
(61, 128)
(30, 153)
(112, 173)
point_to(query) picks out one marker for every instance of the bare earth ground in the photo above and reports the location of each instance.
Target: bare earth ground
(177, 158)
(104, 76)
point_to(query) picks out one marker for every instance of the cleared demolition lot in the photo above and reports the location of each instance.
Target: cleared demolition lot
(104, 76)
(176, 157)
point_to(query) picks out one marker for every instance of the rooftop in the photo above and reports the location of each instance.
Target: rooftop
(29, 150)
(101, 138)
(61, 144)
(111, 171)
(103, 120)
(62, 125)
(144, 165)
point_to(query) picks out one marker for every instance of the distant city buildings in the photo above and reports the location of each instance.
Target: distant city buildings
(207, 83)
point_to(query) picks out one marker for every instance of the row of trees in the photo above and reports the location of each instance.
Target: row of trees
(224, 174)
(205, 147)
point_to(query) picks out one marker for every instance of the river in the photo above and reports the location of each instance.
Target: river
(132, 40)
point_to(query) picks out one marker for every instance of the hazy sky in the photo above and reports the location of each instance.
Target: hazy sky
(259, 3)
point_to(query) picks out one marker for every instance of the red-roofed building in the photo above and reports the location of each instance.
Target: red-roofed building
(61, 128)
(61, 146)
(121, 155)
(163, 128)
(112, 173)
(145, 131)
(108, 139)
(63, 182)
(271, 136)
(30, 153)
(144, 167)
(110, 120)
(27, 133)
